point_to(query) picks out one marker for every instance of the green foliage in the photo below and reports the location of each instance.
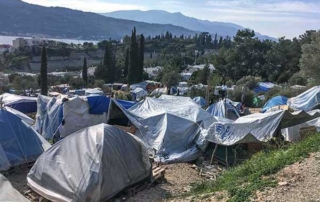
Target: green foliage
(249, 81)
(134, 60)
(310, 58)
(244, 180)
(85, 71)
(77, 83)
(170, 76)
(43, 72)
(123, 95)
(98, 83)
(298, 79)
(236, 94)
(107, 70)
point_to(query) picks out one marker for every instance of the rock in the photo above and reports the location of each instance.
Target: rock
(283, 183)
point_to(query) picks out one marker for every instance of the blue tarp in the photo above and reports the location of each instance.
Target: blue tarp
(19, 142)
(23, 104)
(263, 87)
(200, 101)
(275, 101)
(126, 104)
(98, 104)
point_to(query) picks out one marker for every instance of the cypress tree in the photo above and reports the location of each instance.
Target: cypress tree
(85, 71)
(134, 59)
(141, 59)
(126, 64)
(43, 72)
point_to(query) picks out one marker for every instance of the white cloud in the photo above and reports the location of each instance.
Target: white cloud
(87, 5)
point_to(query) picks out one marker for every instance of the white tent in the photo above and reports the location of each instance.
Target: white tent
(93, 164)
(307, 101)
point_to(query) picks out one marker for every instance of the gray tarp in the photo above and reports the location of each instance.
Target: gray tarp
(8, 193)
(307, 101)
(171, 126)
(255, 127)
(93, 164)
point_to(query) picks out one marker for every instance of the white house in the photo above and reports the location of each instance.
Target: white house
(6, 48)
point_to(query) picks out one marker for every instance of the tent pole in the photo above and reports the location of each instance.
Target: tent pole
(213, 153)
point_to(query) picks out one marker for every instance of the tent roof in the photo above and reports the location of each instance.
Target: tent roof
(8, 193)
(307, 101)
(275, 101)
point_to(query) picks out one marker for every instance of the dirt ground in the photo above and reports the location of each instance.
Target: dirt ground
(297, 182)
(18, 180)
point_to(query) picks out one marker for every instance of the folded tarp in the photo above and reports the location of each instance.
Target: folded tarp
(275, 101)
(171, 126)
(93, 164)
(23, 104)
(8, 193)
(306, 101)
(292, 133)
(255, 127)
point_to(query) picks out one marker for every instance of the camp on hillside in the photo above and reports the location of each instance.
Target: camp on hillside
(23, 104)
(8, 193)
(60, 117)
(306, 101)
(171, 126)
(275, 101)
(19, 142)
(223, 109)
(93, 164)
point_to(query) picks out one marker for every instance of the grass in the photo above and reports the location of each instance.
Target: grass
(242, 181)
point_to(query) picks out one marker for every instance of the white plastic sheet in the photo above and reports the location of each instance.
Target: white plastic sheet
(306, 101)
(21, 115)
(255, 127)
(8, 193)
(172, 126)
(93, 164)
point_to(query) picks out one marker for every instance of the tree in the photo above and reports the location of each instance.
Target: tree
(204, 74)
(141, 59)
(107, 69)
(134, 59)
(85, 71)
(310, 58)
(170, 76)
(43, 72)
(126, 64)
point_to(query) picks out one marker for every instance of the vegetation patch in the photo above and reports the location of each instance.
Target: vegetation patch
(243, 180)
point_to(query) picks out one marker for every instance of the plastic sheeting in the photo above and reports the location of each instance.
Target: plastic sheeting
(275, 101)
(139, 93)
(171, 126)
(263, 87)
(93, 164)
(19, 142)
(23, 104)
(98, 104)
(255, 127)
(94, 91)
(8, 193)
(21, 115)
(200, 101)
(292, 133)
(223, 109)
(306, 101)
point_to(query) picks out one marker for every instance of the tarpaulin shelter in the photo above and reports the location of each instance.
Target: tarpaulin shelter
(23, 104)
(257, 102)
(200, 101)
(263, 87)
(21, 115)
(93, 164)
(139, 93)
(94, 91)
(223, 109)
(8, 193)
(255, 127)
(275, 101)
(19, 142)
(171, 126)
(306, 101)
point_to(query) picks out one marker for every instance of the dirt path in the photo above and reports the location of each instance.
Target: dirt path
(297, 182)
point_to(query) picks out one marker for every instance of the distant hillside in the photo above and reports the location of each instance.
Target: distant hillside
(178, 19)
(20, 17)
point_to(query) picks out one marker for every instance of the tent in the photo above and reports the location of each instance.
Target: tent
(171, 126)
(257, 102)
(307, 101)
(8, 193)
(21, 115)
(223, 109)
(255, 127)
(200, 101)
(139, 93)
(275, 101)
(19, 142)
(93, 164)
(263, 87)
(23, 104)
(94, 91)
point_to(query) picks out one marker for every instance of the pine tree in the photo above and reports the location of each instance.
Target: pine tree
(141, 59)
(43, 72)
(220, 42)
(85, 71)
(104, 71)
(134, 59)
(215, 41)
(126, 64)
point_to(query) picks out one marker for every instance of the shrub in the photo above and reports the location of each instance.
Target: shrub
(298, 79)
(235, 95)
(249, 81)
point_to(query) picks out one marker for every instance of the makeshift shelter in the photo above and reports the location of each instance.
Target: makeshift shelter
(21, 115)
(255, 127)
(200, 101)
(19, 142)
(23, 104)
(257, 102)
(171, 126)
(306, 101)
(8, 193)
(94, 91)
(93, 164)
(139, 93)
(275, 101)
(263, 87)
(159, 91)
(223, 109)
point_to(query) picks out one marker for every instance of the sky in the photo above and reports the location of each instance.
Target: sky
(275, 18)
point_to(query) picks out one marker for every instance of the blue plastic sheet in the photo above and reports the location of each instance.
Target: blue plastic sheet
(275, 101)
(98, 104)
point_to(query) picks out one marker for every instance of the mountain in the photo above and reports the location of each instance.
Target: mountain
(17, 17)
(178, 19)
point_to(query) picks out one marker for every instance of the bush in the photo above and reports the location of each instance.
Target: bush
(298, 79)
(235, 96)
(249, 81)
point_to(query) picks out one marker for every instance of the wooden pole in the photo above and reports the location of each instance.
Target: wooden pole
(213, 153)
